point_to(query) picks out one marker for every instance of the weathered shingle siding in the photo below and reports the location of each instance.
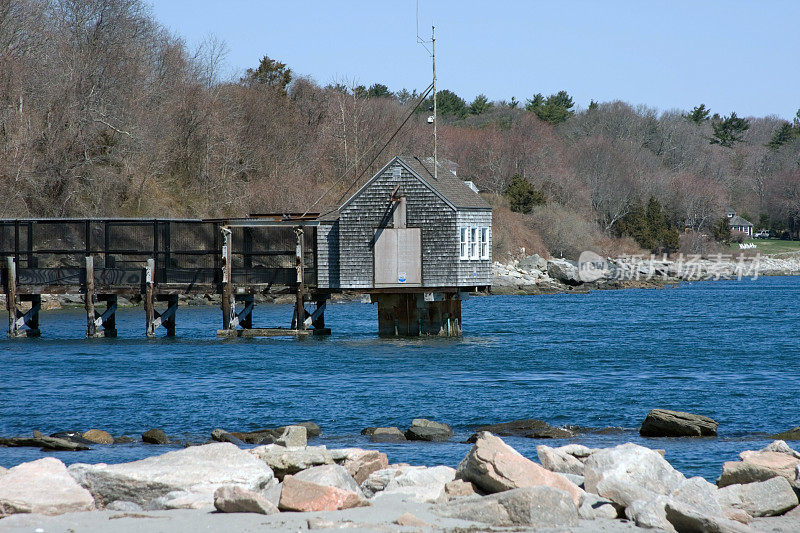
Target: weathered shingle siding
(474, 271)
(359, 219)
(328, 255)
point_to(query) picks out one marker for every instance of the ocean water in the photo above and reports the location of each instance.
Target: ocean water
(725, 349)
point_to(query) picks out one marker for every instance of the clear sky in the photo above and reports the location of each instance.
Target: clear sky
(732, 55)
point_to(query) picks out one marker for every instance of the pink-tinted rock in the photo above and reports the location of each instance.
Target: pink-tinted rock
(459, 488)
(494, 466)
(304, 496)
(43, 486)
(361, 463)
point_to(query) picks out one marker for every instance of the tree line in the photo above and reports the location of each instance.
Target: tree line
(103, 112)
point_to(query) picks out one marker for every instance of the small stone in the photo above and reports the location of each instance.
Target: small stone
(220, 435)
(368, 431)
(550, 433)
(361, 463)
(155, 436)
(124, 506)
(124, 439)
(235, 499)
(408, 519)
(99, 436)
(390, 434)
(293, 437)
(458, 488)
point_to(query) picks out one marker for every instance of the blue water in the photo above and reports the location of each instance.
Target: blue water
(726, 349)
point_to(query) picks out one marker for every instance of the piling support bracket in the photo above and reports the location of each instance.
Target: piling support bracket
(20, 324)
(108, 319)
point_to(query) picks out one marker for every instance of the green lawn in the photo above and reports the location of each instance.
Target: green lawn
(771, 246)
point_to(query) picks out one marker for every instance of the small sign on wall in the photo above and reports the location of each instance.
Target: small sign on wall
(401, 277)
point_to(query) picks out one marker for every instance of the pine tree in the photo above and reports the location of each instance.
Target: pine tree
(721, 231)
(698, 114)
(448, 103)
(729, 130)
(593, 105)
(379, 90)
(481, 104)
(271, 73)
(555, 109)
(522, 196)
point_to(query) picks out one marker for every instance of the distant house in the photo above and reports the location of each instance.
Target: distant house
(738, 223)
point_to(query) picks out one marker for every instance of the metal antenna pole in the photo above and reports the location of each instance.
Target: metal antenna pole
(435, 109)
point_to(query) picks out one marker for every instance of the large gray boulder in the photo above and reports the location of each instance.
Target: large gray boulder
(567, 459)
(521, 428)
(330, 476)
(390, 434)
(534, 262)
(764, 498)
(43, 486)
(565, 271)
(665, 423)
(284, 461)
(494, 466)
(540, 507)
(428, 430)
(685, 517)
(180, 479)
(629, 472)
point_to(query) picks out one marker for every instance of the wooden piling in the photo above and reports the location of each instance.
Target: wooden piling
(88, 295)
(149, 307)
(11, 296)
(169, 320)
(299, 309)
(228, 303)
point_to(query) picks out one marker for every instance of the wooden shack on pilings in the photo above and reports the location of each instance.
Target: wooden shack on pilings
(415, 240)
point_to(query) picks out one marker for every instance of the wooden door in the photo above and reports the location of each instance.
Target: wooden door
(398, 257)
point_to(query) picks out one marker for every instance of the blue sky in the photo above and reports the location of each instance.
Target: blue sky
(741, 56)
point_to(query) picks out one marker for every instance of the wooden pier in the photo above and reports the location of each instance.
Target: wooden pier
(415, 237)
(157, 260)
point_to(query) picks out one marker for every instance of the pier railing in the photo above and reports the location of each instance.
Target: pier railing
(50, 254)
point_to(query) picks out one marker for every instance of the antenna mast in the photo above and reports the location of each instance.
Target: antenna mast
(435, 115)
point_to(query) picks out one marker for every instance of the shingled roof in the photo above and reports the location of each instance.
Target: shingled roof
(736, 220)
(446, 183)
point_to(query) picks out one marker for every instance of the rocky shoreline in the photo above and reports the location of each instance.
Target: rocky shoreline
(571, 488)
(287, 484)
(537, 275)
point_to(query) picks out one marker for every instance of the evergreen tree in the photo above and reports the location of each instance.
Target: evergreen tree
(480, 104)
(593, 105)
(514, 103)
(522, 196)
(649, 227)
(404, 96)
(449, 104)
(379, 90)
(271, 73)
(721, 231)
(729, 130)
(555, 109)
(698, 114)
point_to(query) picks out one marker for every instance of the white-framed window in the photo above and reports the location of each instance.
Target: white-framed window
(484, 242)
(473, 242)
(464, 243)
